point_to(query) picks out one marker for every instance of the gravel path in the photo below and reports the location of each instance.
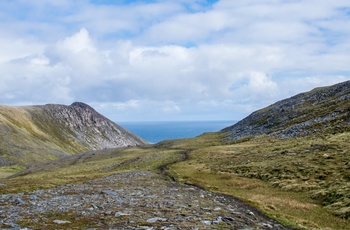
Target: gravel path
(128, 200)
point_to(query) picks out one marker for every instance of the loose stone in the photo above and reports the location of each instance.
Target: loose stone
(129, 200)
(19, 201)
(156, 219)
(61, 222)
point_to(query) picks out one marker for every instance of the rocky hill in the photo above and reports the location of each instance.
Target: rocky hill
(35, 134)
(301, 180)
(306, 113)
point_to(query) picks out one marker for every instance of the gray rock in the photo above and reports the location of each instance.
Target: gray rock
(12, 225)
(109, 192)
(19, 201)
(121, 214)
(94, 206)
(61, 222)
(156, 219)
(33, 197)
(207, 222)
(218, 220)
(267, 225)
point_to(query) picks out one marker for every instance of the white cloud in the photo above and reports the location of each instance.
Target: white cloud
(77, 43)
(187, 28)
(172, 59)
(14, 48)
(261, 84)
(171, 107)
(131, 104)
(291, 86)
(40, 60)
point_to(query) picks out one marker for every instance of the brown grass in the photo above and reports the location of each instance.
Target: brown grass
(302, 182)
(277, 176)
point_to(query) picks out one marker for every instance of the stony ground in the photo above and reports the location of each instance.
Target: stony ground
(128, 200)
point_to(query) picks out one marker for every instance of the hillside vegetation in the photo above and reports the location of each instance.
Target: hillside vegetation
(300, 197)
(301, 115)
(36, 134)
(290, 160)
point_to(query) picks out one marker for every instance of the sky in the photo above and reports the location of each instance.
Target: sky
(170, 59)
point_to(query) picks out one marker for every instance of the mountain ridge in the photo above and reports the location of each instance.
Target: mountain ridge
(303, 114)
(35, 134)
(291, 161)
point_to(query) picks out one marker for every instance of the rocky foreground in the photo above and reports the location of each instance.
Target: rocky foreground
(128, 200)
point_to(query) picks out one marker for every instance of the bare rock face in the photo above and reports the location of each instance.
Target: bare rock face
(36, 134)
(89, 127)
(303, 114)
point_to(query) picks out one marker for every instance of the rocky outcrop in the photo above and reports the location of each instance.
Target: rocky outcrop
(35, 134)
(303, 114)
(90, 128)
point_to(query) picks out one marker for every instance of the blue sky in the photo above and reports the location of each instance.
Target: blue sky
(170, 60)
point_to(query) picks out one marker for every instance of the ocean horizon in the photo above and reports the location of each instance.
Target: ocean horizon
(157, 131)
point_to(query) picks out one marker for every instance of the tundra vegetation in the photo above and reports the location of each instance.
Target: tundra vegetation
(301, 182)
(290, 160)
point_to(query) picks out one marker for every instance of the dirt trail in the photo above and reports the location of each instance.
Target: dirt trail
(128, 200)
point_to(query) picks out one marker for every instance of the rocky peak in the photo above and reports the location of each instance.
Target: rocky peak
(87, 124)
(34, 134)
(81, 105)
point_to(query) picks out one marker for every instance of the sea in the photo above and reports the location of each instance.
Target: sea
(157, 131)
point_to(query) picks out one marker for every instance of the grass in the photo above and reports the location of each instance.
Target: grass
(7, 171)
(301, 182)
(31, 137)
(73, 222)
(83, 167)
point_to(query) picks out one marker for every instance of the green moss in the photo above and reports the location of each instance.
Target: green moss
(6, 171)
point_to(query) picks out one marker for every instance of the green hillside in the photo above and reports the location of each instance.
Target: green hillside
(35, 134)
(293, 165)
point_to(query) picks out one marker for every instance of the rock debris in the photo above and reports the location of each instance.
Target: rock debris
(128, 200)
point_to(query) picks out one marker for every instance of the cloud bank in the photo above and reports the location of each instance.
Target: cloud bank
(171, 60)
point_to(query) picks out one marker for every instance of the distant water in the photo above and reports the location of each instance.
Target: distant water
(156, 131)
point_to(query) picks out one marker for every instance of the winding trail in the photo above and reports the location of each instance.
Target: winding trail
(129, 200)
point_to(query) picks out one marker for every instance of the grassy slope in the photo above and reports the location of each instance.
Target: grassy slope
(23, 126)
(289, 180)
(301, 181)
(89, 165)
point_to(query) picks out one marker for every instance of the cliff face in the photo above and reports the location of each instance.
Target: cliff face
(34, 134)
(303, 114)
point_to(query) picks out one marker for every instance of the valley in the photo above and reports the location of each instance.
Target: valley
(292, 169)
(307, 202)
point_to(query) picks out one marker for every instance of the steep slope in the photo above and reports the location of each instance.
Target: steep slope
(303, 114)
(35, 134)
